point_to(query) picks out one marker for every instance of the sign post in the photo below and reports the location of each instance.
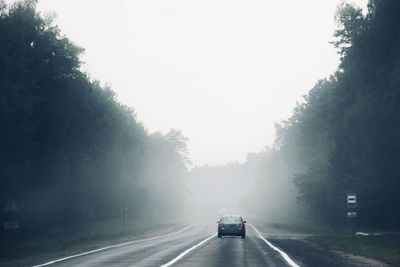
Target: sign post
(124, 209)
(351, 208)
(351, 200)
(11, 216)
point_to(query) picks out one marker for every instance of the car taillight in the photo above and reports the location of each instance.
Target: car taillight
(221, 225)
(241, 225)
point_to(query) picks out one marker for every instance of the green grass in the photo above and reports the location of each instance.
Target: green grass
(384, 247)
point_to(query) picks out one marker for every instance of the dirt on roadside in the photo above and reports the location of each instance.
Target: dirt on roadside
(307, 254)
(311, 256)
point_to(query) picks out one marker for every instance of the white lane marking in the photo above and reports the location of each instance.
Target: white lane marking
(283, 254)
(113, 246)
(180, 256)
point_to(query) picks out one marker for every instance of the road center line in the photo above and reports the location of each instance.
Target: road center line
(113, 246)
(180, 256)
(283, 254)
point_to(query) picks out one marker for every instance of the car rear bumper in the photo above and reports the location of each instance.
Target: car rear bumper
(231, 232)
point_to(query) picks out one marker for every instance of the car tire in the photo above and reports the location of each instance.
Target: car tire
(219, 235)
(243, 236)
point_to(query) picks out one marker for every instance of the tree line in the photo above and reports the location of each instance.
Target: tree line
(70, 153)
(345, 135)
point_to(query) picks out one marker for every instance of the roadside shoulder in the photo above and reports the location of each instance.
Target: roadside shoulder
(320, 250)
(48, 250)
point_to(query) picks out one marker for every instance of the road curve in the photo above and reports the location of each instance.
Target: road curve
(195, 246)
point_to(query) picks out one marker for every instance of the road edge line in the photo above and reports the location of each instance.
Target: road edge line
(112, 246)
(183, 254)
(282, 253)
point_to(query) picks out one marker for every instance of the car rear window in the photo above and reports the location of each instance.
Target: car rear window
(231, 219)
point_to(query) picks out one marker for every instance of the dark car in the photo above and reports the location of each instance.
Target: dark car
(232, 225)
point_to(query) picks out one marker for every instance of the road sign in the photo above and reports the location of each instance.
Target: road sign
(351, 200)
(351, 214)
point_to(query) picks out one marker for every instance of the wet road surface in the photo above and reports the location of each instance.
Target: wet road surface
(179, 249)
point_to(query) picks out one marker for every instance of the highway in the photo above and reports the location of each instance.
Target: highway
(195, 245)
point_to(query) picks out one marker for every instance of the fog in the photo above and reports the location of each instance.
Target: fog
(146, 146)
(221, 71)
(260, 189)
(216, 190)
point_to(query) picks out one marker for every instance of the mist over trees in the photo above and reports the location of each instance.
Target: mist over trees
(70, 152)
(213, 189)
(345, 135)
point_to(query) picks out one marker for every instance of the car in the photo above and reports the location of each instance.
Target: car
(231, 225)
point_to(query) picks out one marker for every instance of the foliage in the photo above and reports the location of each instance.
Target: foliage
(345, 136)
(70, 152)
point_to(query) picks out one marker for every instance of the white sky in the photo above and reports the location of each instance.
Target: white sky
(222, 71)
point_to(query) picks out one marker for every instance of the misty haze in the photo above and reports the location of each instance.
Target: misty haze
(200, 133)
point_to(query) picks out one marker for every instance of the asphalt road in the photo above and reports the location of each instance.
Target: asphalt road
(185, 248)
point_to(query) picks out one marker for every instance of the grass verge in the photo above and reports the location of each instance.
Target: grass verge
(385, 247)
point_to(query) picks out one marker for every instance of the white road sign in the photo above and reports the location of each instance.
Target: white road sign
(351, 200)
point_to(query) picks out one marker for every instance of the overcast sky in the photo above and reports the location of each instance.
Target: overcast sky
(222, 71)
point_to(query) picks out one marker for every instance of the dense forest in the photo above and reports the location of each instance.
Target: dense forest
(345, 135)
(70, 152)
